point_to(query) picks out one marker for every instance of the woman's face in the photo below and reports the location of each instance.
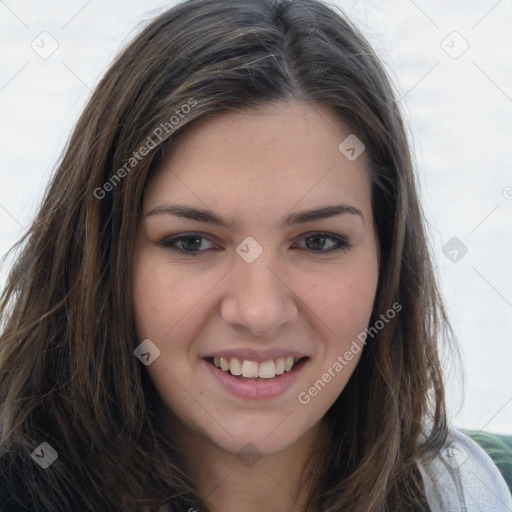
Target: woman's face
(261, 284)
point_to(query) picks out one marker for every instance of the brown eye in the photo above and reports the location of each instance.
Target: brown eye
(325, 242)
(188, 244)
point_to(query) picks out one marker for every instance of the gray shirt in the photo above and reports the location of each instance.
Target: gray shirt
(462, 477)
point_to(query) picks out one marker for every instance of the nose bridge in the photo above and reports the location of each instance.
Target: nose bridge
(257, 298)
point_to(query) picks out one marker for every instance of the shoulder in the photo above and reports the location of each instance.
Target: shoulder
(462, 477)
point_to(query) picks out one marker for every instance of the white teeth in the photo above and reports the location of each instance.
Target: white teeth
(235, 366)
(267, 370)
(280, 364)
(253, 369)
(250, 369)
(224, 364)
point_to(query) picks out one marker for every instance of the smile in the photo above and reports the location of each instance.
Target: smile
(255, 380)
(253, 369)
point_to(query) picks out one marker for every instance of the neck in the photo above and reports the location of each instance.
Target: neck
(277, 482)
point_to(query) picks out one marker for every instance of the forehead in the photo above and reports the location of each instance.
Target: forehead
(285, 152)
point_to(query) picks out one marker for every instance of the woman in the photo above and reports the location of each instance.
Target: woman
(226, 301)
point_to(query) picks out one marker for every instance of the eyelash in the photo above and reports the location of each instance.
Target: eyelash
(170, 243)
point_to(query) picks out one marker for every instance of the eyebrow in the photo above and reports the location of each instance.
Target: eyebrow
(206, 215)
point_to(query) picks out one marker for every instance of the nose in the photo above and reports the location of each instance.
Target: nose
(258, 299)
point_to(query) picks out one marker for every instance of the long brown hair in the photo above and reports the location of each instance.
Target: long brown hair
(68, 375)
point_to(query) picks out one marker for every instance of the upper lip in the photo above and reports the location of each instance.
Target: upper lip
(256, 355)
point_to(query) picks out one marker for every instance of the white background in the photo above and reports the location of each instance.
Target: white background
(459, 111)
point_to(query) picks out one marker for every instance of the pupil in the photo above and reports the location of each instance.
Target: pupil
(196, 239)
(316, 246)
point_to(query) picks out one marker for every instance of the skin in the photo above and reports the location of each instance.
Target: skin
(255, 168)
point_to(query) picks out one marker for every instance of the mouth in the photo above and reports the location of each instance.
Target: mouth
(265, 371)
(255, 380)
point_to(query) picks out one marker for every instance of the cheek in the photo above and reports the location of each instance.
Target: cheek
(162, 296)
(343, 302)
(149, 300)
(352, 307)
(171, 308)
(163, 299)
(343, 308)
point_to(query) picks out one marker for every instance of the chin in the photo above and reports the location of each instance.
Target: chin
(259, 436)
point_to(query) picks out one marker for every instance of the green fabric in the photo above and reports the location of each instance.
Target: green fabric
(498, 447)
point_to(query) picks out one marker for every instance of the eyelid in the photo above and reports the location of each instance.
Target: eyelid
(343, 243)
(168, 241)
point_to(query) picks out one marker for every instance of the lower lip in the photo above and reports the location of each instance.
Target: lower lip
(255, 389)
